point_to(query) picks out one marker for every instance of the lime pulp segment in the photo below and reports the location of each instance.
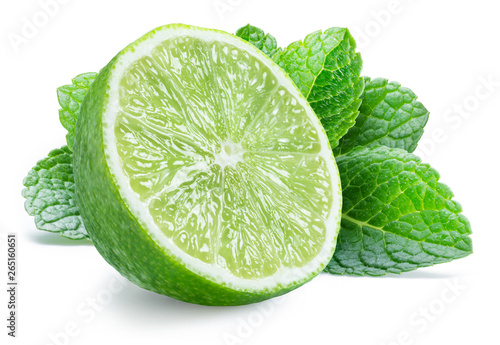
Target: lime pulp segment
(228, 163)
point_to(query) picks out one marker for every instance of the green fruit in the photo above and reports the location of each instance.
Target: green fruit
(201, 171)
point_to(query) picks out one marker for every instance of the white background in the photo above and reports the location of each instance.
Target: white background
(441, 49)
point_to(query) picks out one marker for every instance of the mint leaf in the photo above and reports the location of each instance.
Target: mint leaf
(326, 69)
(397, 216)
(389, 115)
(70, 98)
(265, 42)
(49, 195)
(49, 185)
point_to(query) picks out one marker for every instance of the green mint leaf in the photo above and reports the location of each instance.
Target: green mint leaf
(265, 42)
(326, 69)
(70, 97)
(49, 195)
(389, 115)
(397, 216)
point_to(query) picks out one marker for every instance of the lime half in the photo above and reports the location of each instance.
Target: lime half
(202, 172)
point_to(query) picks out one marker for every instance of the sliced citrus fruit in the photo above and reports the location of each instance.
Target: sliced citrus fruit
(202, 173)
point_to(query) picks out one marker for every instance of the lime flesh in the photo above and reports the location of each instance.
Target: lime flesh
(217, 159)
